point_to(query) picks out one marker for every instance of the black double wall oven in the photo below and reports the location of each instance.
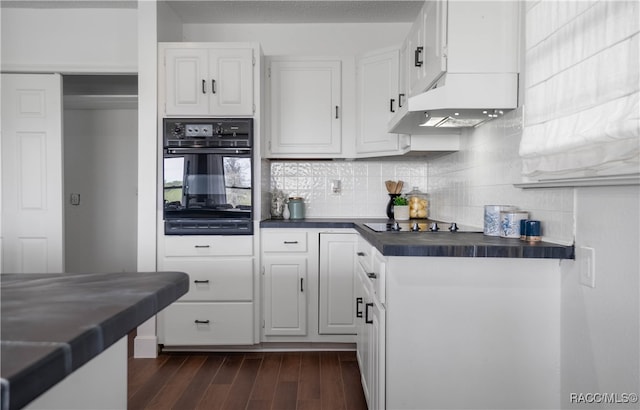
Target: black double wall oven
(207, 173)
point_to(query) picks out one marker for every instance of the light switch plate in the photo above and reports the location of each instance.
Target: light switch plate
(75, 199)
(587, 260)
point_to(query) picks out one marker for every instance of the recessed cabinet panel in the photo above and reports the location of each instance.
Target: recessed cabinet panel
(216, 280)
(186, 81)
(208, 245)
(284, 241)
(305, 107)
(285, 295)
(337, 264)
(194, 324)
(232, 81)
(378, 101)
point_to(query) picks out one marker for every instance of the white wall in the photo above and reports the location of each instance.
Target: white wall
(305, 39)
(69, 40)
(101, 165)
(600, 326)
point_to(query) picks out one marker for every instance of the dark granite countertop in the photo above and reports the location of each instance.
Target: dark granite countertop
(442, 243)
(54, 323)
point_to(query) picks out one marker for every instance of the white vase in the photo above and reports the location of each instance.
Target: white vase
(286, 214)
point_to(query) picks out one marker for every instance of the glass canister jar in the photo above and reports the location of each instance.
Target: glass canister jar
(418, 204)
(296, 207)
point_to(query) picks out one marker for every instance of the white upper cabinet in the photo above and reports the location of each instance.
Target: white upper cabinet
(208, 80)
(377, 101)
(304, 108)
(426, 47)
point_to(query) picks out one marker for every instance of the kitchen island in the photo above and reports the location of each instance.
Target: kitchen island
(58, 326)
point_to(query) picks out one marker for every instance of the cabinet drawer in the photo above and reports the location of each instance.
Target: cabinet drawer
(284, 241)
(365, 254)
(208, 324)
(213, 245)
(215, 279)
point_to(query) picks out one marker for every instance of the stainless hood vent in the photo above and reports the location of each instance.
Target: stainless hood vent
(458, 100)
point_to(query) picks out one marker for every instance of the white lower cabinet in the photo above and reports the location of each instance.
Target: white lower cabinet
(429, 328)
(285, 299)
(337, 283)
(308, 285)
(370, 341)
(219, 307)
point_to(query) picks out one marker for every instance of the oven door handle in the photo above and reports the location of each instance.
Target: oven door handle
(227, 151)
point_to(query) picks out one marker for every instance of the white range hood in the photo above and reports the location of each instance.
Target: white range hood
(457, 100)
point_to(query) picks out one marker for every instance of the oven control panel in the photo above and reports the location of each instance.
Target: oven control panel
(208, 132)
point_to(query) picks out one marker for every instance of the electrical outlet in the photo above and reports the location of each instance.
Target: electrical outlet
(587, 260)
(336, 187)
(75, 199)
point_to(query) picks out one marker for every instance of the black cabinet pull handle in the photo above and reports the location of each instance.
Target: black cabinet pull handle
(358, 303)
(204, 85)
(201, 281)
(361, 254)
(391, 101)
(202, 246)
(301, 285)
(366, 313)
(290, 242)
(337, 112)
(213, 86)
(372, 275)
(201, 322)
(400, 97)
(418, 51)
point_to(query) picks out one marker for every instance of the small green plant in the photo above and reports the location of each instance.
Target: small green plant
(400, 201)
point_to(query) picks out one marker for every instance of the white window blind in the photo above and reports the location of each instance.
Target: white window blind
(581, 112)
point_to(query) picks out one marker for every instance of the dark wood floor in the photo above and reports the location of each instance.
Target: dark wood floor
(300, 380)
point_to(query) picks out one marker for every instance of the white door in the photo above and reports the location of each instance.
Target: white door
(337, 284)
(187, 82)
(377, 102)
(32, 207)
(285, 287)
(231, 72)
(305, 107)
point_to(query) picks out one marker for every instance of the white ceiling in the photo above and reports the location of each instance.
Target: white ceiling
(259, 11)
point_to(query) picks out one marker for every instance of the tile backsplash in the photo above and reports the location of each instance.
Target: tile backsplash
(363, 192)
(483, 173)
(459, 184)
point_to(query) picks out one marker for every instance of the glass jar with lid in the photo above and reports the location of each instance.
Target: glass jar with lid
(418, 204)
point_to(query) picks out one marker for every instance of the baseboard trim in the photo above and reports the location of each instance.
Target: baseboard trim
(145, 347)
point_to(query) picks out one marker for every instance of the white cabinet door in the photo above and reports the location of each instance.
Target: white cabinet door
(285, 302)
(374, 317)
(187, 85)
(208, 81)
(32, 205)
(337, 284)
(434, 36)
(231, 85)
(377, 102)
(305, 109)
(363, 339)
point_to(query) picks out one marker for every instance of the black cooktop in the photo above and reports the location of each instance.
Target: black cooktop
(418, 225)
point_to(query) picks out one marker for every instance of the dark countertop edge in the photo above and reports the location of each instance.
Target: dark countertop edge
(511, 248)
(65, 358)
